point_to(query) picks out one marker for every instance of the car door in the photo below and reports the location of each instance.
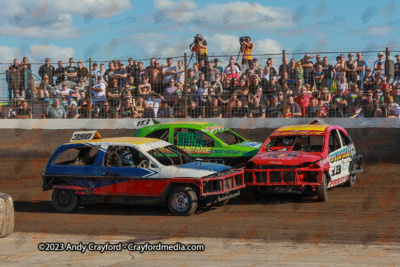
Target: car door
(126, 170)
(346, 157)
(336, 158)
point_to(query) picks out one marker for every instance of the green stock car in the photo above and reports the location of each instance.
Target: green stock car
(206, 140)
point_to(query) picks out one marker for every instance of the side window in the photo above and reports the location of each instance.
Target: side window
(80, 156)
(345, 139)
(125, 156)
(190, 137)
(162, 134)
(334, 142)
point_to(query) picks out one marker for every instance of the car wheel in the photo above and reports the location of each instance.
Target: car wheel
(221, 203)
(352, 180)
(64, 200)
(182, 201)
(322, 190)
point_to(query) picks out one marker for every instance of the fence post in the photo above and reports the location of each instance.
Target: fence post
(90, 88)
(26, 80)
(284, 84)
(186, 85)
(387, 74)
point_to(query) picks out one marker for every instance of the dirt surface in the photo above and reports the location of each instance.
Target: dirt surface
(365, 214)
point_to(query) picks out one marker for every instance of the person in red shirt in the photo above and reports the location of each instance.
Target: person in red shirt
(303, 100)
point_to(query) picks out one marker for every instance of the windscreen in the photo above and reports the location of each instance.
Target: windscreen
(170, 156)
(229, 138)
(306, 143)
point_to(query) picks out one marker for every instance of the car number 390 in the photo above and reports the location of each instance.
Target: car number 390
(83, 136)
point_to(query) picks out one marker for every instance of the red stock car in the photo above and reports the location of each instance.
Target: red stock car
(304, 158)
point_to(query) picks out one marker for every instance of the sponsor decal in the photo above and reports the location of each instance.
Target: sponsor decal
(339, 155)
(213, 129)
(197, 150)
(324, 161)
(281, 155)
(338, 181)
(251, 144)
(298, 132)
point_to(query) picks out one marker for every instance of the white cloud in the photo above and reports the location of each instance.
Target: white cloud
(379, 31)
(36, 53)
(223, 18)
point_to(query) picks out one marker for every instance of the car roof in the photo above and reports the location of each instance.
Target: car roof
(302, 129)
(142, 142)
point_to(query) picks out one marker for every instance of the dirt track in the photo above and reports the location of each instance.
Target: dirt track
(365, 214)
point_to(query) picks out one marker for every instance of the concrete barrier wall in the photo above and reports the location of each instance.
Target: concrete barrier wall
(378, 140)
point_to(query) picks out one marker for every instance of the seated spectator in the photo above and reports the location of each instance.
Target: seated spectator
(325, 94)
(178, 94)
(393, 109)
(132, 85)
(144, 90)
(396, 96)
(377, 83)
(239, 111)
(165, 111)
(274, 109)
(194, 111)
(334, 111)
(13, 111)
(85, 111)
(319, 77)
(155, 102)
(232, 71)
(55, 111)
(287, 112)
(74, 94)
(379, 71)
(312, 108)
(340, 99)
(214, 111)
(3, 114)
(368, 80)
(82, 86)
(352, 97)
(369, 107)
(114, 93)
(295, 108)
(148, 112)
(202, 93)
(64, 91)
(99, 91)
(104, 111)
(323, 106)
(127, 110)
(126, 92)
(140, 106)
(256, 110)
(273, 89)
(24, 112)
(303, 100)
(280, 98)
(343, 84)
(73, 111)
(43, 87)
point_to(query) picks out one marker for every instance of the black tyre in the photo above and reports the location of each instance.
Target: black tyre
(182, 201)
(353, 177)
(64, 200)
(322, 190)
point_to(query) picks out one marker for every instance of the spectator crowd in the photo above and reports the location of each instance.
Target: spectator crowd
(347, 88)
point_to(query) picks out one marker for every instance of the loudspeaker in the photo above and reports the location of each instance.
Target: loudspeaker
(390, 71)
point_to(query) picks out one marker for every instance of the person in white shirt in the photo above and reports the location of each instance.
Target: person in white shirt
(381, 59)
(64, 91)
(169, 72)
(99, 91)
(101, 71)
(180, 73)
(154, 102)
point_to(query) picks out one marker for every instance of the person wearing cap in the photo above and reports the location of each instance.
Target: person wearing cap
(217, 66)
(131, 66)
(381, 59)
(199, 46)
(362, 65)
(368, 80)
(393, 108)
(369, 107)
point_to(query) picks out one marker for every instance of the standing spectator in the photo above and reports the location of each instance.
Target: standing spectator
(307, 66)
(272, 69)
(191, 81)
(24, 112)
(368, 81)
(132, 85)
(99, 91)
(144, 91)
(121, 74)
(256, 110)
(55, 111)
(82, 86)
(303, 100)
(217, 66)
(156, 78)
(245, 65)
(343, 85)
(194, 111)
(169, 72)
(13, 80)
(257, 66)
(47, 69)
(319, 77)
(350, 69)
(108, 75)
(71, 71)
(339, 70)
(381, 59)
(131, 67)
(397, 68)
(214, 111)
(274, 109)
(202, 94)
(299, 73)
(43, 88)
(100, 72)
(232, 71)
(212, 73)
(114, 95)
(155, 102)
(82, 72)
(165, 111)
(127, 109)
(283, 72)
(180, 73)
(327, 69)
(393, 109)
(396, 96)
(169, 91)
(94, 71)
(140, 75)
(202, 78)
(200, 48)
(352, 98)
(362, 65)
(273, 89)
(60, 73)
(335, 111)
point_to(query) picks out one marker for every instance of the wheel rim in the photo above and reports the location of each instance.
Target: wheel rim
(64, 198)
(180, 202)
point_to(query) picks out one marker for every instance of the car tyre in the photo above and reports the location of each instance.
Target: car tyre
(182, 201)
(322, 190)
(64, 200)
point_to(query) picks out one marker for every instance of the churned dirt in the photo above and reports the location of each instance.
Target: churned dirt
(366, 214)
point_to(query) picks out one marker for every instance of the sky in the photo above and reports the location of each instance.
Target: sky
(104, 30)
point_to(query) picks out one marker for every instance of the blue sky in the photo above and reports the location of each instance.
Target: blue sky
(105, 30)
